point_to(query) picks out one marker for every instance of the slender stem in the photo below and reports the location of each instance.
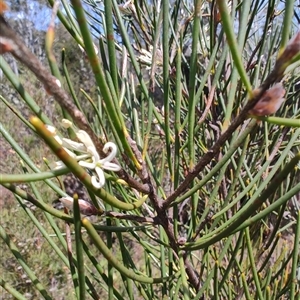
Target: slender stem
(11, 290)
(79, 250)
(252, 265)
(15, 251)
(295, 264)
(15, 178)
(111, 44)
(234, 48)
(112, 259)
(287, 22)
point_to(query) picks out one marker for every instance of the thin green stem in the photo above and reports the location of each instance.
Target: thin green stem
(11, 290)
(21, 90)
(112, 259)
(166, 78)
(234, 48)
(241, 216)
(15, 251)
(287, 22)
(111, 44)
(15, 178)
(79, 249)
(252, 264)
(295, 262)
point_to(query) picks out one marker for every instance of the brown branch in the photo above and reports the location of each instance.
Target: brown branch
(139, 219)
(193, 277)
(207, 105)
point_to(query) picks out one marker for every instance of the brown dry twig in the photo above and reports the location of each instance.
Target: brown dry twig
(139, 219)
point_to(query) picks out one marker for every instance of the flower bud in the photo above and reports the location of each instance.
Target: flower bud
(270, 101)
(292, 48)
(66, 123)
(85, 207)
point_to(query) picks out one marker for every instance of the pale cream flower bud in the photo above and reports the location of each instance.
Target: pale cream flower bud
(85, 207)
(66, 123)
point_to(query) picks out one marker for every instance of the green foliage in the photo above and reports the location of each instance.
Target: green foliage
(202, 199)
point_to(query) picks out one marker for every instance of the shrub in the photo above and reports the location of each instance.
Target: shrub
(191, 181)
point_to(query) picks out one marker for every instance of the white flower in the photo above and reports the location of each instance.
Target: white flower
(88, 150)
(98, 164)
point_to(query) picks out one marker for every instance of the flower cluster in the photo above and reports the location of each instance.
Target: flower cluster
(89, 157)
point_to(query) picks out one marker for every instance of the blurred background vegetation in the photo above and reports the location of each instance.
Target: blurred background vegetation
(233, 231)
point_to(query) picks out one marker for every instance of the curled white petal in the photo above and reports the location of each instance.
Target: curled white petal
(112, 154)
(85, 138)
(72, 154)
(67, 143)
(58, 139)
(101, 176)
(97, 185)
(87, 165)
(54, 133)
(99, 180)
(97, 164)
(111, 166)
